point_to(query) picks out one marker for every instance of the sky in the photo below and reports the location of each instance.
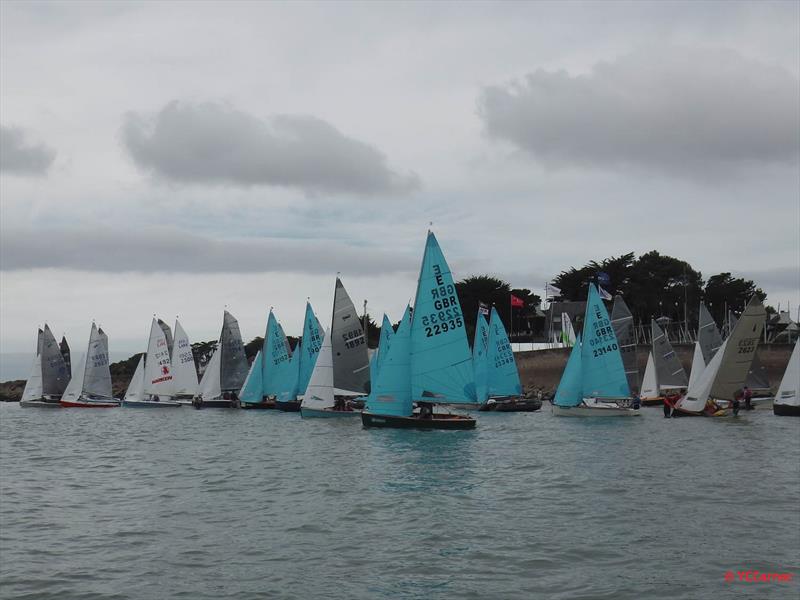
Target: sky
(178, 158)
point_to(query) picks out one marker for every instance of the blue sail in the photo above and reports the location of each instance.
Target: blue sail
(480, 358)
(387, 333)
(601, 361)
(503, 374)
(252, 390)
(311, 342)
(276, 356)
(441, 361)
(391, 391)
(570, 388)
(286, 380)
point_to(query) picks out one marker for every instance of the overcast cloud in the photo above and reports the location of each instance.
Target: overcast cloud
(19, 155)
(673, 109)
(216, 143)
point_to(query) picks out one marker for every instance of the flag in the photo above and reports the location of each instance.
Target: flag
(483, 309)
(551, 291)
(604, 294)
(516, 302)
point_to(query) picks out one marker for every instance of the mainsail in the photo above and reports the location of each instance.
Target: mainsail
(319, 391)
(97, 378)
(603, 375)
(64, 346)
(184, 371)
(157, 364)
(309, 348)
(391, 393)
(441, 361)
(739, 351)
(54, 370)
(757, 377)
(350, 356)
(276, 358)
(480, 358)
(669, 370)
(622, 322)
(708, 335)
(503, 377)
(233, 362)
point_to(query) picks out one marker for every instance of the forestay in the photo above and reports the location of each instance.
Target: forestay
(350, 356)
(603, 374)
(441, 361)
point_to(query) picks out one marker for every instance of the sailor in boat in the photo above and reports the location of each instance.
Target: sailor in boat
(748, 398)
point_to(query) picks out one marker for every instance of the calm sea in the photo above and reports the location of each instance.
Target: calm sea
(125, 503)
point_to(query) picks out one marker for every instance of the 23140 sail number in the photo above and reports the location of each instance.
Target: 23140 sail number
(604, 350)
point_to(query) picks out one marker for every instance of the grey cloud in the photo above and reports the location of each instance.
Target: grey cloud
(20, 156)
(680, 110)
(174, 251)
(215, 143)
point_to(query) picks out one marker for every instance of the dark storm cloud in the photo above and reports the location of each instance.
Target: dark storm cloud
(175, 251)
(677, 110)
(20, 156)
(215, 143)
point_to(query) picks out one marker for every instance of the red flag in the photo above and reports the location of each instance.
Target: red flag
(516, 302)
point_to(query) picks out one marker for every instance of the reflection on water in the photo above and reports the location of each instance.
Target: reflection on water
(240, 504)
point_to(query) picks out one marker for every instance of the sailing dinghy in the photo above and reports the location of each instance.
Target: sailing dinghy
(787, 399)
(184, 370)
(594, 383)
(49, 374)
(722, 379)
(90, 386)
(429, 360)
(318, 399)
(156, 378)
(226, 371)
(301, 364)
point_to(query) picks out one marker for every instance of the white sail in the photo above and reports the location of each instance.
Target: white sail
(740, 351)
(184, 372)
(789, 390)
(319, 393)
(698, 394)
(669, 370)
(75, 385)
(698, 364)
(33, 387)
(157, 364)
(568, 332)
(210, 384)
(650, 381)
(97, 376)
(135, 391)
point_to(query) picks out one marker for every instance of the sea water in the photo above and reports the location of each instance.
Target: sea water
(179, 503)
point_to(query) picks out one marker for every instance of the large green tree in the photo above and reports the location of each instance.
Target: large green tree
(724, 290)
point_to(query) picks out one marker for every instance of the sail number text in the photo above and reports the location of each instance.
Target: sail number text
(445, 302)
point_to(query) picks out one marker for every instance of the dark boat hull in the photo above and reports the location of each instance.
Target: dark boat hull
(215, 404)
(784, 410)
(438, 421)
(291, 406)
(265, 405)
(520, 405)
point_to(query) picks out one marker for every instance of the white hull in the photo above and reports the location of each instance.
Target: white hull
(597, 410)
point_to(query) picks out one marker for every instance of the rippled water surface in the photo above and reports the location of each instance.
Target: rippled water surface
(127, 503)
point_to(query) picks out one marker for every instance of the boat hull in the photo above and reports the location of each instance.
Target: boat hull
(325, 413)
(291, 406)
(151, 404)
(785, 410)
(437, 421)
(263, 405)
(215, 404)
(90, 404)
(588, 411)
(652, 401)
(40, 403)
(512, 405)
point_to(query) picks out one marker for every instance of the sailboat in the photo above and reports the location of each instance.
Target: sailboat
(158, 386)
(184, 371)
(135, 392)
(351, 373)
(90, 386)
(594, 383)
(301, 364)
(272, 359)
(667, 375)
(757, 379)
(725, 374)
(567, 331)
(318, 398)
(226, 371)
(787, 399)
(49, 373)
(429, 360)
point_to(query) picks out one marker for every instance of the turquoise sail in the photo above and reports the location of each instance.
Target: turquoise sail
(601, 361)
(391, 391)
(252, 390)
(277, 355)
(570, 388)
(387, 333)
(503, 374)
(480, 358)
(311, 342)
(285, 384)
(441, 361)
